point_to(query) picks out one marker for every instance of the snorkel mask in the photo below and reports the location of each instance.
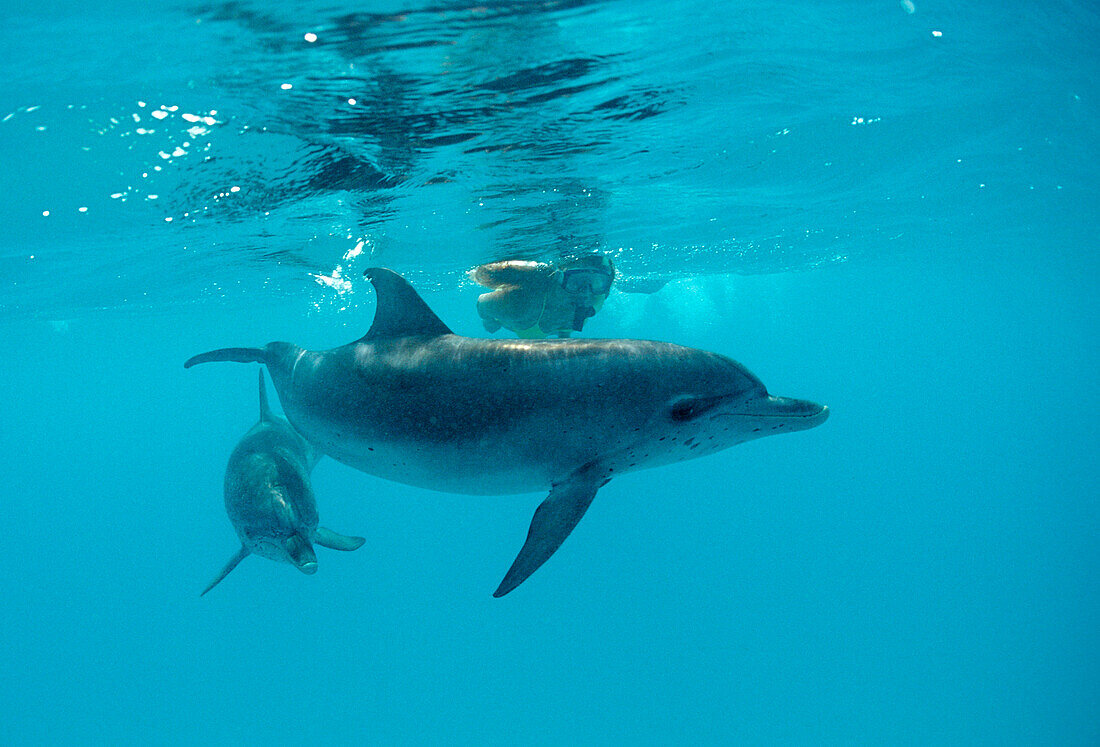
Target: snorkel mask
(595, 280)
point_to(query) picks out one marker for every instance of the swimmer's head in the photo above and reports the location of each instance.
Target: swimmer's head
(587, 283)
(590, 276)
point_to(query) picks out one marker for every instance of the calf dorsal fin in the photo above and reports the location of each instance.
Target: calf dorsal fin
(265, 408)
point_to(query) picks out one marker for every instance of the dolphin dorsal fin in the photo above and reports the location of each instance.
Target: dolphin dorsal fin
(265, 408)
(401, 311)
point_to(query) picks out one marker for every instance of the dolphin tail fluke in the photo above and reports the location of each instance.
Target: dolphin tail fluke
(234, 355)
(336, 541)
(552, 523)
(241, 555)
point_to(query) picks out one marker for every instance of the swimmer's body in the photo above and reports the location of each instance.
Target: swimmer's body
(537, 299)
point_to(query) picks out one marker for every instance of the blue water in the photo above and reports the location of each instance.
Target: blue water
(887, 207)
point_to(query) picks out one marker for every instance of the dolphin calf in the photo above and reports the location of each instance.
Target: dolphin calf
(412, 402)
(269, 498)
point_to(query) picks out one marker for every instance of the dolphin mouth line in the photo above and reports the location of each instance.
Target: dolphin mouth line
(824, 411)
(818, 412)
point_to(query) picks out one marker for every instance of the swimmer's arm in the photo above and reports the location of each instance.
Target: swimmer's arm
(512, 272)
(484, 302)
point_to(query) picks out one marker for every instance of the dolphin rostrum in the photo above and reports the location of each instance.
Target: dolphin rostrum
(412, 402)
(269, 498)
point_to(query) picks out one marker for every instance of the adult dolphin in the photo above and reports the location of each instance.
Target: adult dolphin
(415, 403)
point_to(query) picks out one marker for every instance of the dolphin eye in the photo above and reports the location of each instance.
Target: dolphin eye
(684, 410)
(689, 408)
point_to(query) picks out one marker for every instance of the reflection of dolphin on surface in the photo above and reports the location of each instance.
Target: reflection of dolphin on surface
(415, 403)
(269, 498)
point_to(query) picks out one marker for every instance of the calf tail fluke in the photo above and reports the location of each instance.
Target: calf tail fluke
(234, 355)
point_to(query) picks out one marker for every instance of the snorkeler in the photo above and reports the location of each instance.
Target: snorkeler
(536, 299)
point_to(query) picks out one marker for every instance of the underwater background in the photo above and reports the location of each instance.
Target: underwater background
(890, 208)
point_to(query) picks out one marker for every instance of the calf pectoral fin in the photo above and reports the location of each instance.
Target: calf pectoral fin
(553, 521)
(335, 541)
(241, 555)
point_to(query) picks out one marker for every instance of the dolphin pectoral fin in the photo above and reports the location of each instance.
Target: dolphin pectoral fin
(301, 554)
(553, 521)
(241, 555)
(335, 541)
